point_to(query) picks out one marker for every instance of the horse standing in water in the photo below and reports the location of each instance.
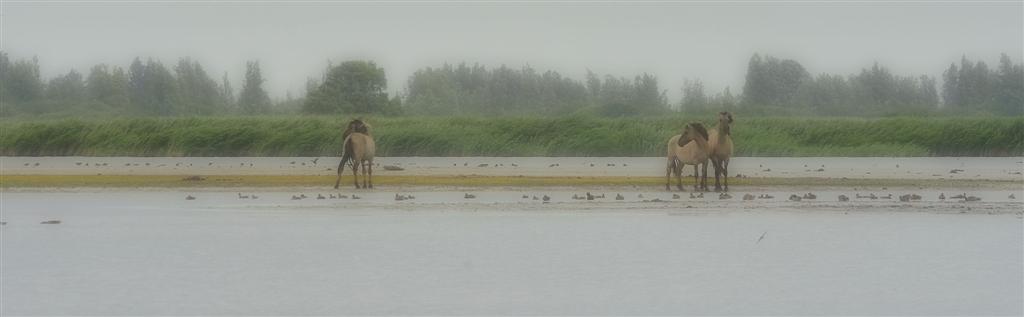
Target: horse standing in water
(360, 149)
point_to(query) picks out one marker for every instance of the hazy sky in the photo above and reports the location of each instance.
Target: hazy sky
(673, 40)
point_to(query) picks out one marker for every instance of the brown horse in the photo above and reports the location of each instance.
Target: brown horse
(688, 148)
(360, 149)
(721, 148)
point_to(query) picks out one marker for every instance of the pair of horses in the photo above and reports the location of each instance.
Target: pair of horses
(696, 146)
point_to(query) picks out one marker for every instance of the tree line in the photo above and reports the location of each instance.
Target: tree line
(772, 86)
(465, 89)
(146, 88)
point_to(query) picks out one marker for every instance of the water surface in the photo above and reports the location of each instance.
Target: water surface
(154, 253)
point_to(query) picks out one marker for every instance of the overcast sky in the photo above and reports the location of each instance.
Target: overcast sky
(673, 40)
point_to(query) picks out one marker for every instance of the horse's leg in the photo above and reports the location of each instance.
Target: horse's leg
(704, 179)
(718, 171)
(355, 173)
(668, 174)
(696, 177)
(365, 177)
(369, 168)
(679, 175)
(341, 169)
(725, 173)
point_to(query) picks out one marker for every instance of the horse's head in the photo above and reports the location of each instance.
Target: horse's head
(693, 131)
(725, 121)
(356, 126)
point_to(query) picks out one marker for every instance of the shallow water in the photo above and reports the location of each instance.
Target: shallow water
(993, 168)
(154, 253)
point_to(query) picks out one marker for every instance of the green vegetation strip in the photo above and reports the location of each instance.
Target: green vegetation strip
(508, 136)
(171, 181)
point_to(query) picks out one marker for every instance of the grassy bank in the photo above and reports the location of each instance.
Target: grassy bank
(569, 136)
(382, 182)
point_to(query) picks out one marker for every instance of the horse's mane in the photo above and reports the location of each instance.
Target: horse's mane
(699, 127)
(356, 126)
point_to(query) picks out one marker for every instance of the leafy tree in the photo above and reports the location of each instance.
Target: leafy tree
(350, 87)
(830, 94)
(878, 86)
(973, 87)
(755, 88)
(67, 89)
(773, 82)
(648, 96)
(200, 94)
(951, 87)
(593, 84)
(1009, 98)
(227, 95)
(153, 89)
(465, 89)
(22, 85)
(929, 95)
(253, 99)
(694, 98)
(108, 86)
(725, 99)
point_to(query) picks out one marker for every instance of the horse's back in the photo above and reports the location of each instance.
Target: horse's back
(691, 153)
(363, 146)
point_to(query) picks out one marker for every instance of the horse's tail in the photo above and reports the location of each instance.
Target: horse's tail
(346, 154)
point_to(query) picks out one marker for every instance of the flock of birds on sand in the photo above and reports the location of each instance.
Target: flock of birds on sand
(698, 195)
(589, 196)
(963, 197)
